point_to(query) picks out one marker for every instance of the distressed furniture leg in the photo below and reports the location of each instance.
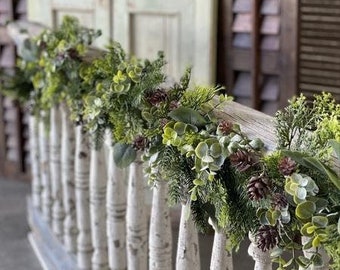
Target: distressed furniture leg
(67, 179)
(160, 246)
(98, 182)
(82, 172)
(188, 247)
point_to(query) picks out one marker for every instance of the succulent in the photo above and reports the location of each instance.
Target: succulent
(156, 97)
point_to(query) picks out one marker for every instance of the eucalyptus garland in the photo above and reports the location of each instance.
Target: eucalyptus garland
(53, 60)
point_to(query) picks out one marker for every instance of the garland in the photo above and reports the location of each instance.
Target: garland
(210, 164)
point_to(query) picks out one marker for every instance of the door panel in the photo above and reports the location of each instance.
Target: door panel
(183, 29)
(96, 14)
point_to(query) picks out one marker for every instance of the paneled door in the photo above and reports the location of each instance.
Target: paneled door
(96, 14)
(184, 29)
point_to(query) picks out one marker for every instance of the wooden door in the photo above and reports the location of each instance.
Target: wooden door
(183, 29)
(96, 14)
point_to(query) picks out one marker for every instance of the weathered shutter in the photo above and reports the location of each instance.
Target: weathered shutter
(183, 29)
(256, 56)
(319, 47)
(12, 139)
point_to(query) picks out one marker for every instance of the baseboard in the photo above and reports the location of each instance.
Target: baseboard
(48, 249)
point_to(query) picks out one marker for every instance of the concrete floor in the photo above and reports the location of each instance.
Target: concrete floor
(16, 252)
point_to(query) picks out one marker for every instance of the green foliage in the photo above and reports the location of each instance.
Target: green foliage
(15, 85)
(53, 61)
(308, 127)
(119, 84)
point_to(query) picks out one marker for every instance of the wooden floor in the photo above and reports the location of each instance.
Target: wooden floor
(17, 254)
(15, 250)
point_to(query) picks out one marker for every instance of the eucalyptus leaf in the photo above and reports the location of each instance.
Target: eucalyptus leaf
(305, 210)
(320, 221)
(123, 154)
(188, 116)
(336, 147)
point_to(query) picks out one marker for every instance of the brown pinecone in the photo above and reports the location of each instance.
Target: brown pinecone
(258, 187)
(225, 127)
(287, 166)
(241, 160)
(140, 143)
(267, 237)
(173, 105)
(156, 97)
(279, 201)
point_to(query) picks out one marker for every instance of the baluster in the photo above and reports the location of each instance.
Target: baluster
(137, 232)
(45, 170)
(67, 179)
(187, 247)
(82, 172)
(221, 259)
(35, 167)
(160, 247)
(116, 211)
(58, 213)
(98, 181)
(308, 253)
(262, 259)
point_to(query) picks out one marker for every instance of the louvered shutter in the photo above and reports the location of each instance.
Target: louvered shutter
(257, 59)
(12, 139)
(319, 47)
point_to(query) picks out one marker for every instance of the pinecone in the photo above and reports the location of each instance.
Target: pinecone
(225, 127)
(287, 166)
(157, 97)
(267, 237)
(279, 201)
(173, 105)
(241, 160)
(140, 143)
(258, 187)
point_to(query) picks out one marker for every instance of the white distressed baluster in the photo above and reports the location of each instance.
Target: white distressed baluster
(137, 232)
(187, 247)
(45, 170)
(67, 178)
(98, 181)
(116, 213)
(262, 259)
(82, 192)
(160, 236)
(35, 166)
(221, 258)
(58, 213)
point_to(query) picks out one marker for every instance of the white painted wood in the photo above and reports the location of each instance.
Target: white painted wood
(262, 259)
(67, 179)
(116, 212)
(96, 14)
(58, 212)
(308, 253)
(45, 169)
(221, 258)
(184, 29)
(98, 182)
(187, 248)
(136, 222)
(82, 192)
(160, 235)
(35, 166)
